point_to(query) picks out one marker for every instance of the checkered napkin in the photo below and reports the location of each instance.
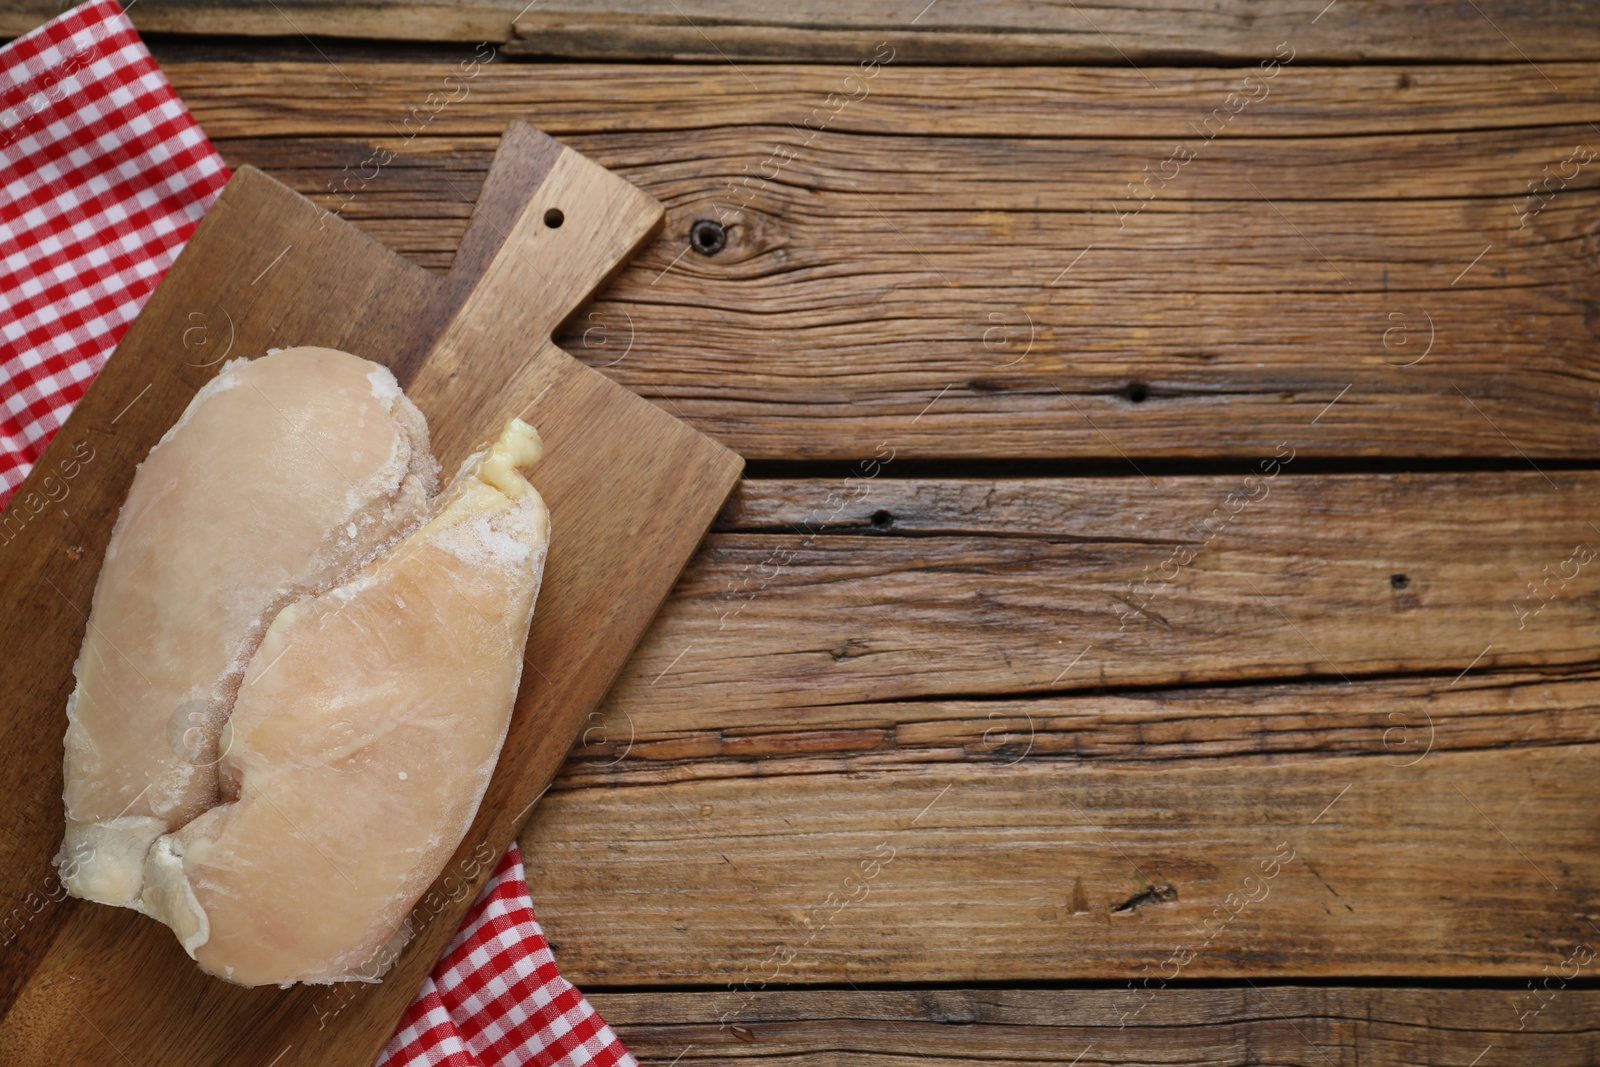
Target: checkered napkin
(105, 177)
(496, 998)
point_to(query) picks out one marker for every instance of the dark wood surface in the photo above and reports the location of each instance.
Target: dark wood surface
(1293, 1026)
(472, 349)
(1120, 32)
(964, 729)
(944, 269)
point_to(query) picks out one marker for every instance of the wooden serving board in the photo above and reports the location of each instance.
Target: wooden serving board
(631, 491)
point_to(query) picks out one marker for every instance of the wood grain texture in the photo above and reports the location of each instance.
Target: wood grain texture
(1268, 1024)
(311, 98)
(952, 31)
(1400, 719)
(841, 652)
(621, 476)
(950, 588)
(1458, 864)
(955, 265)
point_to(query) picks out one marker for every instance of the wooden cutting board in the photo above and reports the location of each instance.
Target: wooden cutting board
(631, 491)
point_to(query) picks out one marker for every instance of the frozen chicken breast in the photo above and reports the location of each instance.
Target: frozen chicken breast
(298, 670)
(364, 735)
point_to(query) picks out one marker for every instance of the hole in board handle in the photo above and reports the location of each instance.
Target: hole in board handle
(554, 218)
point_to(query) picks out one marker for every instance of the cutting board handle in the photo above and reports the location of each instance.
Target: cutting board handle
(550, 228)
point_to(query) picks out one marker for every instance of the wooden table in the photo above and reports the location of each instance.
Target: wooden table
(1159, 622)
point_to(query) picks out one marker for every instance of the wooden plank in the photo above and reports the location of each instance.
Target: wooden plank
(942, 589)
(1463, 160)
(1401, 719)
(1338, 1026)
(1013, 302)
(473, 349)
(270, 98)
(954, 31)
(973, 31)
(1460, 864)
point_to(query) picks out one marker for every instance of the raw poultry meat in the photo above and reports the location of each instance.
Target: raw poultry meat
(298, 670)
(362, 741)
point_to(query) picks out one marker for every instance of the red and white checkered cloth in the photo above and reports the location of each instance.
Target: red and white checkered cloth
(105, 177)
(496, 998)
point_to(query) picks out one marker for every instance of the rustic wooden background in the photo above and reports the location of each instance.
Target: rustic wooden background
(1158, 625)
